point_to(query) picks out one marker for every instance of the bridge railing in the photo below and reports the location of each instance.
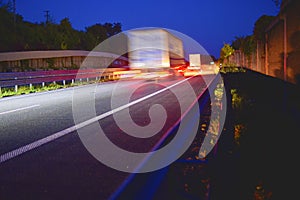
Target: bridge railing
(16, 79)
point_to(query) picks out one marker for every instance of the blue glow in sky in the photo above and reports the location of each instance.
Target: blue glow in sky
(209, 22)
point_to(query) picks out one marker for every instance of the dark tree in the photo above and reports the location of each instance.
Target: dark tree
(277, 2)
(17, 34)
(95, 34)
(238, 43)
(260, 27)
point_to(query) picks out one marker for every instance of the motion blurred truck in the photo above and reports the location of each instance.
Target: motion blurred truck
(200, 65)
(151, 50)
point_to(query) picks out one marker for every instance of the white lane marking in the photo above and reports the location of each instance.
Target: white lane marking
(14, 153)
(19, 109)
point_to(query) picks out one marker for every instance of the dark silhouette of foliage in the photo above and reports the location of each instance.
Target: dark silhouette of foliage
(249, 45)
(260, 27)
(238, 43)
(20, 35)
(277, 2)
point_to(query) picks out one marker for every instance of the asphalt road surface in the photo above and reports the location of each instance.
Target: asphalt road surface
(42, 156)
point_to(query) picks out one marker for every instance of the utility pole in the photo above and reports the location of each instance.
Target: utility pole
(257, 57)
(14, 21)
(47, 16)
(14, 10)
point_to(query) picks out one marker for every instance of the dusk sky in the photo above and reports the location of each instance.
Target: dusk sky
(209, 22)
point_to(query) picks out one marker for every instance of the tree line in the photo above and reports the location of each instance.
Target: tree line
(247, 44)
(19, 35)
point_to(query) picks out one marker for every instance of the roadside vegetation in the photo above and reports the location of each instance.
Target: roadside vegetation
(231, 69)
(48, 34)
(22, 90)
(258, 137)
(6, 92)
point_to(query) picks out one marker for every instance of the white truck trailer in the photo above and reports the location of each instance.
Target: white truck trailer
(195, 60)
(200, 65)
(154, 49)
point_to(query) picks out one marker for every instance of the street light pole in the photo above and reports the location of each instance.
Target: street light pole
(267, 55)
(285, 48)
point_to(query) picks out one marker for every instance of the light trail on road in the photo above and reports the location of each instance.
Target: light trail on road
(19, 151)
(66, 161)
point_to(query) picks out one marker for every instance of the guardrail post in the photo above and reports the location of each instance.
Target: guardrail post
(47, 77)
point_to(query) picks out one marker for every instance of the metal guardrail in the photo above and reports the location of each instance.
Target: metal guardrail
(16, 79)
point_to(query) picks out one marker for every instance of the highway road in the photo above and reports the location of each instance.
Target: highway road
(42, 155)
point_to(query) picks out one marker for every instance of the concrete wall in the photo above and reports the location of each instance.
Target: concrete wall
(56, 60)
(279, 56)
(283, 61)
